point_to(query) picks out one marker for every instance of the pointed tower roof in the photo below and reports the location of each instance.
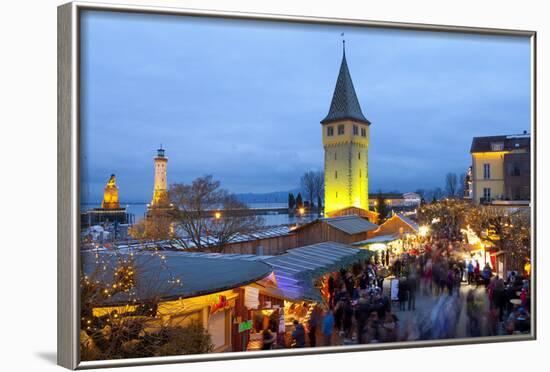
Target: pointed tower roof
(345, 104)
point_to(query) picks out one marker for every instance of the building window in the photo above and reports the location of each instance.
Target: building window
(363, 132)
(517, 193)
(336, 194)
(341, 129)
(335, 174)
(330, 131)
(355, 130)
(487, 193)
(486, 171)
(516, 172)
(359, 155)
(359, 173)
(497, 146)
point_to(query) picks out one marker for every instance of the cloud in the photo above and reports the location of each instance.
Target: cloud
(242, 100)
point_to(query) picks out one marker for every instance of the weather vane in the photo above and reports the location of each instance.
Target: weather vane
(343, 41)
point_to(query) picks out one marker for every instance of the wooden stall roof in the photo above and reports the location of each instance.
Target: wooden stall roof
(377, 239)
(172, 275)
(295, 268)
(350, 225)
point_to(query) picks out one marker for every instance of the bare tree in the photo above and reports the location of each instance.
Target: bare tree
(308, 185)
(319, 181)
(434, 194)
(155, 227)
(451, 184)
(313, 184)
(421, 193)
(208, 216)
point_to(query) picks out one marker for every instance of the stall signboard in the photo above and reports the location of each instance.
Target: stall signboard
(245, 326)
(282, 322)
(251, 297)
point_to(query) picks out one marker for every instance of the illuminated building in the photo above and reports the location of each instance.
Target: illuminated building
(160, 190)
(346, 144)
(110, 195)
(110, 211)
(501, 168)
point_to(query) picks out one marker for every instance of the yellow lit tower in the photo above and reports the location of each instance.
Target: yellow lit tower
(346, 144)
(160, 193)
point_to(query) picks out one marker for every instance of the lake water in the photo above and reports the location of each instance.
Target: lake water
(139, 210)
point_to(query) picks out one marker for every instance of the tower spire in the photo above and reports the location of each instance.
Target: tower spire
(344, 104)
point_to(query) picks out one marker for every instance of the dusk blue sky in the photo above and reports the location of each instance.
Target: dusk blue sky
(242, 100)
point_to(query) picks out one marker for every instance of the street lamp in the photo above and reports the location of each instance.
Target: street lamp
(301, 211)
(217, 215)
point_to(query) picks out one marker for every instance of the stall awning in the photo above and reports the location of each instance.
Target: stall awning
(377, 239)
(296, 269)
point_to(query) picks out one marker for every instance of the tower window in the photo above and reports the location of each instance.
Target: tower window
(335, 155)
(335, 174)
(336, 194)
(359, 155)
(341, 129)
(359, 173)
(355, 130)
(363, 132)
(486, 171)
(330, 131)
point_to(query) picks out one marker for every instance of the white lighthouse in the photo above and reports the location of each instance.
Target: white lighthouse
(160, 193)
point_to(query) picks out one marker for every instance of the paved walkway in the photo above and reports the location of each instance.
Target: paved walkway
(429, 310)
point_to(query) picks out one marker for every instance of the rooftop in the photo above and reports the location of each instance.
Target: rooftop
(351, 224)
(345, 104)
(501, 143)
(378, 239)
(296, 269)
(198, 275)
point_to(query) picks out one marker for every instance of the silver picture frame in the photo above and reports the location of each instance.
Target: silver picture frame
(68, 190)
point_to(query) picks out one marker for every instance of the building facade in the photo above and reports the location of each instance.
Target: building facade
(346, 144)
(501, 168)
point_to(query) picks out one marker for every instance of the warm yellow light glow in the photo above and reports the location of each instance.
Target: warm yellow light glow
(110, 195)
(436, 220)
(217, 215)
(301, 211)
(377, 247)
(423, 230)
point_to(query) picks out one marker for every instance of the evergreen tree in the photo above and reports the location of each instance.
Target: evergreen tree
(381, 207)
(291, 201)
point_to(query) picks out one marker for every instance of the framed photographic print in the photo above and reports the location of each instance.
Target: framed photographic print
(236, 185)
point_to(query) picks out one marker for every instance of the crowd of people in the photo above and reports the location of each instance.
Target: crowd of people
(358, 310)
